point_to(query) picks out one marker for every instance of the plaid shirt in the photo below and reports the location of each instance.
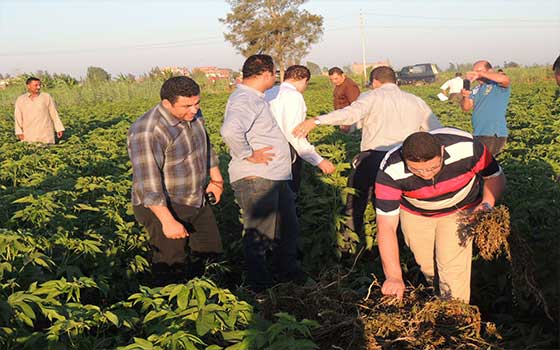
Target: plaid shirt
(170, 159)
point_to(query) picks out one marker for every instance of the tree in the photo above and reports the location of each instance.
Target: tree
(313, 68)
(511, 64)
(275, 27)
(125, 78)
(62, 79)
(97, 74)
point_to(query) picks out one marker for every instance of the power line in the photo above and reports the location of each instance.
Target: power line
(470, 19)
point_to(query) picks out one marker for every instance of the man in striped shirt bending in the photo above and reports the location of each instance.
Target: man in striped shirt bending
(426, 183)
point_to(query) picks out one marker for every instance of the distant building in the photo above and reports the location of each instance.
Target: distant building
(358, 68)
(215, 73)
(3, 84)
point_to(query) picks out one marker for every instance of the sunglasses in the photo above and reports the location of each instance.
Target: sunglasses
(427, 170)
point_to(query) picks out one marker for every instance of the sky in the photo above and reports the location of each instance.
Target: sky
(132, 36)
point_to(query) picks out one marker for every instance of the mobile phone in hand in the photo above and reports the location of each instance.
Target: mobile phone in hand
(466, 84)
(211, 198)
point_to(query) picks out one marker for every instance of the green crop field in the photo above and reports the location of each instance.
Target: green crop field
(73, 262)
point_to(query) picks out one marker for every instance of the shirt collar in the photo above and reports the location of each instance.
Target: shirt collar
(250, 89)
(288, 85)
(169, 118)
(388, 86)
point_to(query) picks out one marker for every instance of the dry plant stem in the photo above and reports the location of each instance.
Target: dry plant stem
(492, 234)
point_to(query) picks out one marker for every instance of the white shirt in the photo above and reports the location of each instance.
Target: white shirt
(388, 116)
(37, 118)
(289, 109)
(454, 85)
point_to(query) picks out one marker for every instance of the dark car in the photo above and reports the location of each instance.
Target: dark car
(418, 73)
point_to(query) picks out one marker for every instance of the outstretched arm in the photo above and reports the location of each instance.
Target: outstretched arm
(389, 251)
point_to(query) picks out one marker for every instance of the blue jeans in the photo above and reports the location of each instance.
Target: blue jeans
(270, 224)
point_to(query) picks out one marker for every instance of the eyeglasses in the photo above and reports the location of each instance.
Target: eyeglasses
(427, 170)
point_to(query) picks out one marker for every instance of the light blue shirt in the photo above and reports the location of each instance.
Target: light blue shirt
(489, 111)
(249, 125)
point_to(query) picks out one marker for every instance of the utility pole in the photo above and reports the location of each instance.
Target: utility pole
(363, 46)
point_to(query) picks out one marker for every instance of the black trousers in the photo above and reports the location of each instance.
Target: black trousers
(297, 163)
(169, 259)
(362, 177)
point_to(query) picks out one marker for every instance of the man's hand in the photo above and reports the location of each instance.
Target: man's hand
(472, 76)
(345, 129)
(466, 103)
(483, 206)
(261, 155)
(20, 137)
(173, 229)
(59, 134)
(304, 128)
(326, 167)
(393, 286)
(217, 189)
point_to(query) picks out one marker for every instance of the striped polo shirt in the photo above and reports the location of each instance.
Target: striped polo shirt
(457, 186)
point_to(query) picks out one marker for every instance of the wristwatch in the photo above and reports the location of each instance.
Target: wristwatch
(317, 121)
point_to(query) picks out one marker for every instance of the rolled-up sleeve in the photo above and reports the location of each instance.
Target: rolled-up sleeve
(146, 156)
(214, 161)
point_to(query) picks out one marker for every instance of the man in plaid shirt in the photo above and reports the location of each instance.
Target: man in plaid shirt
(172, 159)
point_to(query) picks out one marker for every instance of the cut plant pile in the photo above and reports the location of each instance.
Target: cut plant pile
(490, 230)
(351, 321)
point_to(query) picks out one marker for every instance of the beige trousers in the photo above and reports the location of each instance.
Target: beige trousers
(444, 260)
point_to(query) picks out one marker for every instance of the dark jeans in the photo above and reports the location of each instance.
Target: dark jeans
(362, 177)
(271, 226)
(295, 184)
(168, 255)
(495, 144)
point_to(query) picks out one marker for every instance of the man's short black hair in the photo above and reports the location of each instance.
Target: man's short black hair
(420, 147)
(297, 72)
(458, 74)
(30, 79)
(383, 74)
(257, 65)
(335, 70)
(174, 87)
